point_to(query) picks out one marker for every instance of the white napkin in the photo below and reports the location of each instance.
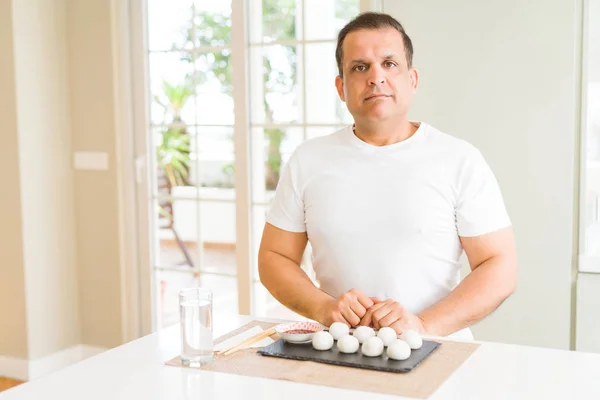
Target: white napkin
(242, 336)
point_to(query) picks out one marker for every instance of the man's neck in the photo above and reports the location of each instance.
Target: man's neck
(384, 134)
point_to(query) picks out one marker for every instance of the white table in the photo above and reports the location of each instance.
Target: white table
(137, 371)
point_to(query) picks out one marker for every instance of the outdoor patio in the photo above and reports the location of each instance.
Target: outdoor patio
(219, 260)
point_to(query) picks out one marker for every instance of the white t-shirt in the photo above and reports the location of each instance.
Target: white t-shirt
(386, 220)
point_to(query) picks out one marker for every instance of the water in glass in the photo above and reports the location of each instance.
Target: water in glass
(196, 329)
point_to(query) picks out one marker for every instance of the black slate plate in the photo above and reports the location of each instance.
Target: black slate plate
(305, 351)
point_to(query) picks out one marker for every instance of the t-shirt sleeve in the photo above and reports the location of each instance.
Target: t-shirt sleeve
(287, 208)
(480, 207)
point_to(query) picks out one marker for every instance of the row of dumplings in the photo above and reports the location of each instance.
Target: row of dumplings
(372, 344)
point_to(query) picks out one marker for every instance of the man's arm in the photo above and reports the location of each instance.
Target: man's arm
(279, 259)
(493, 260)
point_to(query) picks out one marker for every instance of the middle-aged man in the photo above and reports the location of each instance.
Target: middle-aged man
(388, 205)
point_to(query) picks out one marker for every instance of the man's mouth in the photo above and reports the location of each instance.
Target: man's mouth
(376, 96)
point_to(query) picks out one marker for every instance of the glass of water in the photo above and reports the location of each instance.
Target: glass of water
(195, 306)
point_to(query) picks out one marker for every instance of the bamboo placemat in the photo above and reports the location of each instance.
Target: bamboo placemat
(420, 383)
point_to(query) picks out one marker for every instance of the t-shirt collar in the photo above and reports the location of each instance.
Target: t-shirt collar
(416, 137)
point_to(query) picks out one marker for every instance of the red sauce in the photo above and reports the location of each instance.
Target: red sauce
(298, 331)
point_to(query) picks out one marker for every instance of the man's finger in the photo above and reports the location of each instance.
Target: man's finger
(363, 298)
(348, 314)
(338, 317)
(380, 313)
(398, 326)
(392, 317)
(368, 318)
(358, 309)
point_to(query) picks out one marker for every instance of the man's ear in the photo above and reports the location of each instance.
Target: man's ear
(339, 85)
(414, 79)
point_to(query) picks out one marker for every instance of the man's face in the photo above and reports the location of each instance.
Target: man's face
(377, 84)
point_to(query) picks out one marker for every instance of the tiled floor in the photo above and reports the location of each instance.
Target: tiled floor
(216, 259)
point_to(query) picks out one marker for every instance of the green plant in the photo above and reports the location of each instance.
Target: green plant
(175, 97)
(275, 137)
(173, 155)
(173, 151)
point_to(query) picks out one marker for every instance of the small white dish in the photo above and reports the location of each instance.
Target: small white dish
(298, 332)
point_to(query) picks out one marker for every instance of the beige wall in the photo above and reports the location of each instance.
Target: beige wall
(13, 328)
(60, 277)
(96, 201)
(46, 176)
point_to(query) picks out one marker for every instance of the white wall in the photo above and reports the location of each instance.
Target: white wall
(502, 74)
(588, 303)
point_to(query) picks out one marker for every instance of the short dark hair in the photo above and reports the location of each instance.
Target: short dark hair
(372, 21)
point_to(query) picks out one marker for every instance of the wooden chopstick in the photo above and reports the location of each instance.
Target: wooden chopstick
(251, 340)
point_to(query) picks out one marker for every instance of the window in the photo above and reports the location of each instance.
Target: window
(191, 132)
(294, 41)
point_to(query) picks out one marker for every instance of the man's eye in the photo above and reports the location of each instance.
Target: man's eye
(360, 68)
(390, 64)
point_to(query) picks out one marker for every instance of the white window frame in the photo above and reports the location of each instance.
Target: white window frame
(130, 68)
(586, 262)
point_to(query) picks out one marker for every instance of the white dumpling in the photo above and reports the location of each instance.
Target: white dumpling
(387, 335)
(348, 344)
(362, 333)
(338, 329)
(372, 347)
(322, 341)
(399, 350)
(413, 339)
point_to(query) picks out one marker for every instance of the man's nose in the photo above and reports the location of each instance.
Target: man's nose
(377, 77)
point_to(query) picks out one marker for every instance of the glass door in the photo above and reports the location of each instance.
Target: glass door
(229, 77)
(190, 133)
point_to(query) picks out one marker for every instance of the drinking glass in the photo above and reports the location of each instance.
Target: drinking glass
(195, 306)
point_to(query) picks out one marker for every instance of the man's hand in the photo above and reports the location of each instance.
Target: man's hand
(393, 314)
(349, 308)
